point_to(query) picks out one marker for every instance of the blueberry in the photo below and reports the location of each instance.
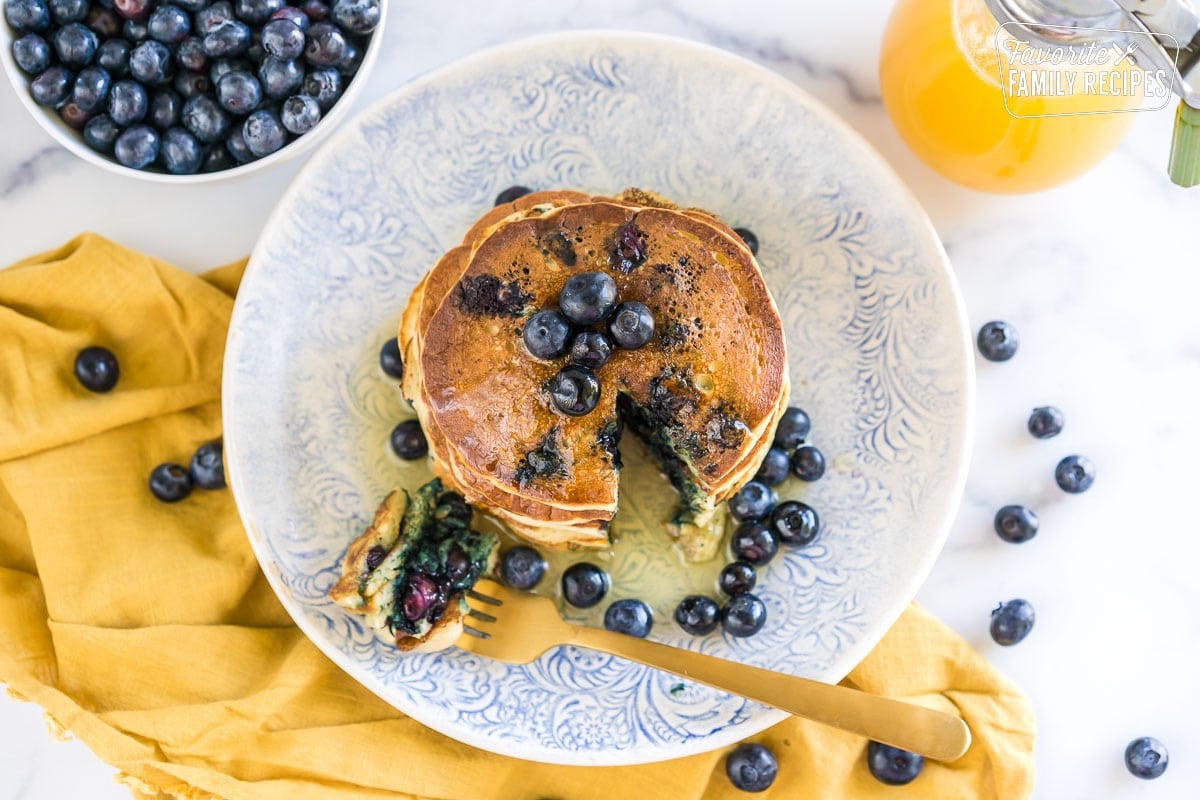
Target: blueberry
(584, 585)
(113, 56)
(229, 38)
(357, 16)
(1016, 524)
(189, 84)
(751, 767)
(91, 88)
(217, 159)
(893, 766)
(629, 247)
(998, 341)
(590, 349)
(512, 193)
(239, 92)
(166, 108)
(588, 297)
(390, 360)
(1146, 758)
(134, 31)
(151, 63)
(350, 61)
(697, 614)
(52, 87)
(256, 12)
(408, 440)
(32, 54)
(629, 616)
(808, 463)
(127, 102)
(170, 483)
(749, 238)
(1011, 622)
(744, 615)
(420, 596)
(223, 66)
(209, 19)
(752, 502)
(136, 10)
(101, 133)
(316, 10)
(300, 113)
(181, 153)
(76, 45)
(737, 578)
(65, 11)
(775, 467)
(192, 6)
(325, 85)
(97, 369)
(205, 119)
(263, 132)
(632, 325)
(795, 523)
(104, 23)
(522, 567)
(754, 543)
(283, 39)
(235, 145)
(575, 390)
(325, 46)
(27, 15)
(190, 54)
(794, 427)
(293, 15)
(137, 146)
(280, 78)
(208, 465)
(1074, 474)
(169, 24)
(547, 334)
(73, 115)
(1046, 422)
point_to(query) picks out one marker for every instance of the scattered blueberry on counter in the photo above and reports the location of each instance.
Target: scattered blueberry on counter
(737, 578)
(208, 466)
(743, 615)
(1146, 758)
(1074, 474)
(97, 369)
(390, 360)
(893, 766)
(997, 341)
(512, 193)
(1046, 422)
(808, 463)
(170, 483)
(1016, 524)
(522, 567)
(584, 585)
(408, 440)
(698, 615)
(751, 767)
(629, 616)
(1011, 622)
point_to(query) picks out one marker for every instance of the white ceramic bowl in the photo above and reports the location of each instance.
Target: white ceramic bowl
(73, 140)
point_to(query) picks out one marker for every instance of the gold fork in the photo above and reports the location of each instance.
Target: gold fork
(517, 627)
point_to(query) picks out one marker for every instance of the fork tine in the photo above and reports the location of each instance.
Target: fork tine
(483, 598)
(478, 634)
(480, 615)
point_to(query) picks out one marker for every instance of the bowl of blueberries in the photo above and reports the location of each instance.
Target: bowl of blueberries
(189, 90)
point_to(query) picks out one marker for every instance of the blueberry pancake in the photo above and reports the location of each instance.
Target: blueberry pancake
(704, 391)
(409, 569)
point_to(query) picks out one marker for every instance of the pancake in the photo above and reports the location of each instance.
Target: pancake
(705, 393)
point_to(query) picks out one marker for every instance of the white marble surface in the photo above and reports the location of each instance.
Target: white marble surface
(1098, 276)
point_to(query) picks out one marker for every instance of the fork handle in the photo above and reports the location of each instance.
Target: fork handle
(933, 734)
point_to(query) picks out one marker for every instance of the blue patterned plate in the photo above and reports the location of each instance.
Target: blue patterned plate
(880, 357)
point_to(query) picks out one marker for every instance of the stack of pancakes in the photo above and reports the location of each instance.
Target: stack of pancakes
(705, 394)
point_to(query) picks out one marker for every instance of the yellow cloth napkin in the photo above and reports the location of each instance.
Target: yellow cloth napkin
(148, 631)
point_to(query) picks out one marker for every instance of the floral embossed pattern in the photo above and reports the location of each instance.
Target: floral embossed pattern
(878, 347)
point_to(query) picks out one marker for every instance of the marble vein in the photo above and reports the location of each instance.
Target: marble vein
(49, 159)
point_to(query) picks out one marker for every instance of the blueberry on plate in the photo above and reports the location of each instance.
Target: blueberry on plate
(97, 369)
(512, 193)
(522, 567)
(795, 523)
(181, 154)
(357, 16)
(575, 390)
(632, 325)
(137, 146)
(737, 578)
(588, 297)
(169, 24)
(893, 766)
(997, 341)
(754, 543)
(408, 440)
(100, 133)
(300, 113)
(808, 463)
(239, 92)
(1046, 422)
(208, 466)
(743, 615)
(52, 87)
(584, 585)
(697, 614)
(27, 15)
(325, 46)
(631, 617)
(775, 467)
(390, 360)
(590, 349)
(547, 334)
(170, 483)
(1011, 622)
(751, 767)
(1146, 758)
(1016, 524)
(749, 238)
(31, 53)
(325, 85)
(1074, 474)
(793, 428)
(753, 501)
